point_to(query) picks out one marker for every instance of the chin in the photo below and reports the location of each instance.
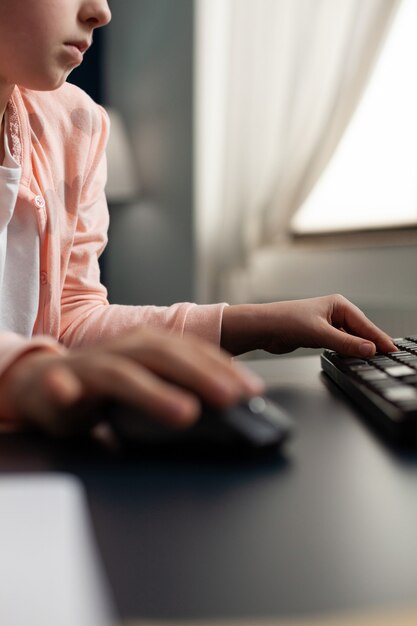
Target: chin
(49, 83)
(56, 82)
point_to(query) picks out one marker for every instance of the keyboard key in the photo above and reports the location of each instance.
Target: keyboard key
(347, 360)
(374, 374)
(386, 364)
(411, 364)
(359, 368)
(401, 392)
(408, 405)
(385, 384)
(398, 371)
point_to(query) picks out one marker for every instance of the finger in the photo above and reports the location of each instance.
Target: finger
(129, 382)
(347, 344)
(41, 403)
(249, 382)
(353, 320)
(202, 369)
(62, 385)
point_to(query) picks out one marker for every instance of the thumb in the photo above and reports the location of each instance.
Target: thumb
(58, 388)
(62, 385)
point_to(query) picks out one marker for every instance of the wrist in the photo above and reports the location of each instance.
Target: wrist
(243, 328)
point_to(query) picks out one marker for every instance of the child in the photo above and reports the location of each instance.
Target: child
(60, 340)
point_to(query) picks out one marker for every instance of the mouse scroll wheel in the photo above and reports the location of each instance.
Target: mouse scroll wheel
(257, 404)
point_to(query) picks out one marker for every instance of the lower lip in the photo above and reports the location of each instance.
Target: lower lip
(75, 52)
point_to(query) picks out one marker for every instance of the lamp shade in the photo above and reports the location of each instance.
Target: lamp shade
(122, 179)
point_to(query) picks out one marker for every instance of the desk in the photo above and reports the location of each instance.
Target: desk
(331, 527)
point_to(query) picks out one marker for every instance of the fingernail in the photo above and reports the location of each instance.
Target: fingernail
(366, 349)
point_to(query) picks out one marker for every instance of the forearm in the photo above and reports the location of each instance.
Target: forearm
(92, 322)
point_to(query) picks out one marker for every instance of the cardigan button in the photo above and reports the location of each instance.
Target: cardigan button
(44, 278)
(40, 202)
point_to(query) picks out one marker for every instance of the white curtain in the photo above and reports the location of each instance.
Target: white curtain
(276, 84)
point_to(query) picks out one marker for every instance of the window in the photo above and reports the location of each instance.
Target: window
(371, 181)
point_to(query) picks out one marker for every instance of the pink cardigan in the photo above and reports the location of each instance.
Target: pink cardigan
(59, 139)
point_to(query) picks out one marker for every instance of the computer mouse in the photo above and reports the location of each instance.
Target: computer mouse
(256, 423)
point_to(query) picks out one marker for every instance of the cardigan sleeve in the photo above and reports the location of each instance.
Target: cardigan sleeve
(86, 315)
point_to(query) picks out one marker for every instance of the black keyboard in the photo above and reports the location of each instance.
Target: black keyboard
(384, 386)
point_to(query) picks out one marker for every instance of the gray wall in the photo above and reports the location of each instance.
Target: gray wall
(148, 78)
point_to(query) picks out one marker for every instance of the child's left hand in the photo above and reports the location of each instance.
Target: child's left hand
(326, 322)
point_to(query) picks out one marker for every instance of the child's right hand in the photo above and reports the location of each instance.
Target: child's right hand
(162, 374)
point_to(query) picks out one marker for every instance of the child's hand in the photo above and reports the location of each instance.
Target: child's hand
(327, 322)
(161, 374)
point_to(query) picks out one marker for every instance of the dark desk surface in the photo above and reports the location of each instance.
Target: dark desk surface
(330, 527)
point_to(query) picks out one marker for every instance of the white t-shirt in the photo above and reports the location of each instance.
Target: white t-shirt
(19, 252)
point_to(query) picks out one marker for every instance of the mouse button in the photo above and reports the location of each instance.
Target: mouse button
(253, 428)
(275, 415)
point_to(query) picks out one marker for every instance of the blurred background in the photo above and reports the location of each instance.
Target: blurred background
(261, 150)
